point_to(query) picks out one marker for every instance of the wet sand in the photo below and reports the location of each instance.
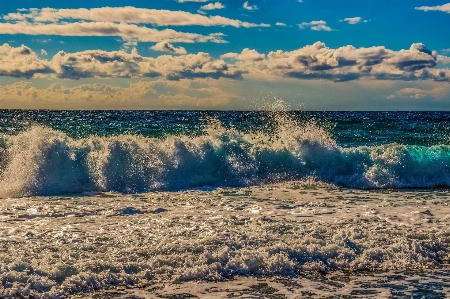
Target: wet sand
(393, 284)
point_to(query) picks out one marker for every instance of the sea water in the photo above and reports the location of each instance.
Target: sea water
(312, 203)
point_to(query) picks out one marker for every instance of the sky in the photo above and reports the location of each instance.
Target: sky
(225, 54)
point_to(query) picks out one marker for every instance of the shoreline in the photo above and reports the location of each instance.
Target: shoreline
(64, 245)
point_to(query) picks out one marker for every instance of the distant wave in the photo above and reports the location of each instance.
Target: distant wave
(43, 161)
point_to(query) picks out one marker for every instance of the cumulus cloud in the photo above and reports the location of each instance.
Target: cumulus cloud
(315, 61)
(249, 7)
(343, 64)
(280, 24)
(43, 52)
(168, 47)
(128, 15)
(23, 62)
(315, 25)
(245, 55)
(121, 64)
(211, 6)
(443, 8)
(354, 20)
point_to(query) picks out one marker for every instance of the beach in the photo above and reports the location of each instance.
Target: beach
(273, 241)
(224, 149)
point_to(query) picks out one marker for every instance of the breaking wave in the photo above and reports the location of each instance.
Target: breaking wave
(44, 161)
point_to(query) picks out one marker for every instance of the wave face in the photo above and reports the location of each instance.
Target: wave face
(45, 161)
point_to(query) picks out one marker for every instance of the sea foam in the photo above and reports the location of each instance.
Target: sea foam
(53, 246)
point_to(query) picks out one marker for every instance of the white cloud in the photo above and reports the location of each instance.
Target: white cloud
(211, 6)
(443, 8)
(249, 7)
(280, 24)
(315, 25)
(343, 64)
(130, 43)
(246, 54)
(43, 52)
(168, 47)
(126, 31)
(354, 20)
(441, 59)
(43, 41)
(312, 62)
(21, 62)
(128, 14)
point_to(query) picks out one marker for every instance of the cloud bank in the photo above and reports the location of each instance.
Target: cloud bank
(129, 15)
(139, 95)
(23, 62)
(347, 63)
(126, 22)
(316, 61)
(126, 31)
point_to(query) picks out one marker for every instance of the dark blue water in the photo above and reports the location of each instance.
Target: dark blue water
(53, 152)
(348, 128)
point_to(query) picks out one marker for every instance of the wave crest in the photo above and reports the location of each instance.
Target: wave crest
(43, 161)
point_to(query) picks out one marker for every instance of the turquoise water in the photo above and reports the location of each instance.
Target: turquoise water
(139, 151)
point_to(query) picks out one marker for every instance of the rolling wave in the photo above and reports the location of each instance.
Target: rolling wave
(44, 161)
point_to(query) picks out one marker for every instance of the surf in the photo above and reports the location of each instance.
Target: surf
(45, 161)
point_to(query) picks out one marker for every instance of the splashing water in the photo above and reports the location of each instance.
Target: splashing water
(42, 161)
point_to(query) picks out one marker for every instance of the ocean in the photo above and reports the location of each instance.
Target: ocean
(223, 204)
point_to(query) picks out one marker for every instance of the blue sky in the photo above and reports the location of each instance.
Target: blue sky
(187, 54)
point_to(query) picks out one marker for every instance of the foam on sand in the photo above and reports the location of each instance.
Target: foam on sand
(55, 246)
